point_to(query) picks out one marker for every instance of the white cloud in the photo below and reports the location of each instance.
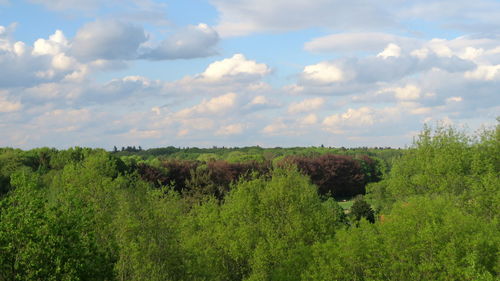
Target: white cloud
(183, 132)
(355, 75)
(471, 53)
(24, 65)
(259, 100)
(156, 110)
(63, 62)
(484, 72)
(356, 41)
(306, 105)
(236, 66)
(275, 128)
(6, 105)
(324, 73)
(363, 116)
(440, 47)
(464, 15)
(308, 120)
(65, 119)
(190, 42)
(409, 92)
(143, 134)
(454, 99)
(48, 87)
(232, 129)
(197, 124)
(110, 39)
(241, 17)
(234, 74)
(392, 50)
(56, 44)
(216, 105)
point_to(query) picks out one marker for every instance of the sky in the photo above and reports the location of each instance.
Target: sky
(104, 73)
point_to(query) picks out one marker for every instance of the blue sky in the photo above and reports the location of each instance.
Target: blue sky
(244, 72)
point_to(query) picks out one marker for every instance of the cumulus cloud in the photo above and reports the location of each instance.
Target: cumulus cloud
(396, 83)
(24, 65)
(409, 92)
(345, 76)
(257, 103)
(324, 73)
(484, 72)
(259, 100)
(363, 116)
(232, 129)
(216, 105)
(233, 74)
(56, 44)
(306, 105)
(238, 66)
(6, 105)
(128, 86)
(276, 127)
(190, 42)
(309, 120)
(108, 39)
(392, 50)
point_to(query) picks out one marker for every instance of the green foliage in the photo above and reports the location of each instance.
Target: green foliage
(42, 240)
(445, 161)
(264, 229)
(422, 239)
(361, 209)
(10, 162)
(238, 157)
(86, 214)
(147, 234)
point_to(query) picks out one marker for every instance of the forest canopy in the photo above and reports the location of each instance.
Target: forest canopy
(427, 212)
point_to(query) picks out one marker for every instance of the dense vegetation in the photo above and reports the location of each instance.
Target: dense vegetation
(429, 212)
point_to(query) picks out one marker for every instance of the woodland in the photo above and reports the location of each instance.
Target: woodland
(430, 211)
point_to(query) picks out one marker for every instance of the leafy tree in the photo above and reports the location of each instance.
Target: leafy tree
(421, 239)
(361, 209)
(446, 161)
(337, 175)
(147, 235)
(265, 228)
(43, 240)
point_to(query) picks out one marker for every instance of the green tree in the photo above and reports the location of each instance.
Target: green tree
(421, 239)
(361, 209)
(47, 240)
(147, 233)
(265, 228)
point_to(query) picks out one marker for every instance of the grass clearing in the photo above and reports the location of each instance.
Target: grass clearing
(346, 205)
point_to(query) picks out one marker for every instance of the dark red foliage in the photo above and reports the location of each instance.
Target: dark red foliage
(174, 172)
(179, 171)
(224, 173)
(337, 175)
(191, 177)
(152, 174)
